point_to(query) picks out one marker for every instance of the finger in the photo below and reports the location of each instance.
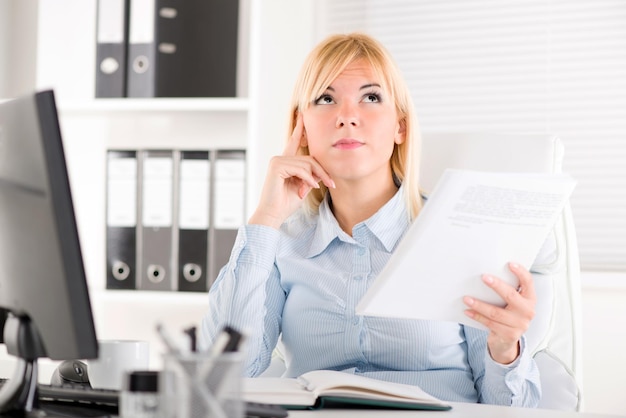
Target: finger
(508, 293)
(311, 171)
(504, 331)
(303, 168)
(303, 190)
(526, 283)
(294, 142)
(488, 314)
(322, 175)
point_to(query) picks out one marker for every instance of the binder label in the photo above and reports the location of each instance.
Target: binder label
(157, 192)
(122, 192)
(142, 21)
(194, 194)
(111, 21)
(229, 193)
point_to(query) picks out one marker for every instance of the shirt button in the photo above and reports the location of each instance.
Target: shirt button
(361, 251)
(357, 277)
(356, 320)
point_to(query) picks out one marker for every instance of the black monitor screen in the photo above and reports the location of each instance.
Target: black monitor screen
(42, 277)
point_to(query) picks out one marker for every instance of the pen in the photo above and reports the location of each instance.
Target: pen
(221, 341)
(227, 341)
(167, 340)
(234, 339)
(191, 331)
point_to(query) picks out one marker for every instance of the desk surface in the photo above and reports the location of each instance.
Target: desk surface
(465, 410)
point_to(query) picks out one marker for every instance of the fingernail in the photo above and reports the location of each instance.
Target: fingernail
(468, 301)
(488, 279)
(514, 265)
(469, 313)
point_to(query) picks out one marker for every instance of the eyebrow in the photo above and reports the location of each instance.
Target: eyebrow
(363, 87)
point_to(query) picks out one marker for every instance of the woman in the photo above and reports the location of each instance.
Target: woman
(333, 207)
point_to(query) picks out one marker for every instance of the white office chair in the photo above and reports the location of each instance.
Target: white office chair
(554, 336)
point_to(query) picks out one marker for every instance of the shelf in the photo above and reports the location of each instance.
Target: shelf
(191, 104)
(151, 297)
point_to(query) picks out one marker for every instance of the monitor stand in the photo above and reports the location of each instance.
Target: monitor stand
(18, 396)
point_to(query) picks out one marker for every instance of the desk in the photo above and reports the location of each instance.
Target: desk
(465, 410)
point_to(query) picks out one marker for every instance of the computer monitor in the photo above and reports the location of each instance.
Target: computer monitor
(3, 317)
(42, 277)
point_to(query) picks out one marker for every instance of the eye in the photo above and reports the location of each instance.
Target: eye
(324, 99)
(371, 98)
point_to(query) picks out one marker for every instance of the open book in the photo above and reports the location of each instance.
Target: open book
(473, 223)
(328, 388)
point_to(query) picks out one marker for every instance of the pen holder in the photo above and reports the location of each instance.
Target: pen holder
(201, 385)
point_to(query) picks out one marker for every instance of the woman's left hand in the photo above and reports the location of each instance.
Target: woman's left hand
(506, 324)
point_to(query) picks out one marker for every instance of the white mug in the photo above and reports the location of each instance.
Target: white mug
(115, 359)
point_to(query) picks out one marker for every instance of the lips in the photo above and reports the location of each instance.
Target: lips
(346, 143)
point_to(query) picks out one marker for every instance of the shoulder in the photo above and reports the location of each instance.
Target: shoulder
(299, 223)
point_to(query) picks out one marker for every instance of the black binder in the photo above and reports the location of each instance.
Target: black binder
(193, 220)
(121, 208)
(111, 52)
(183, 48)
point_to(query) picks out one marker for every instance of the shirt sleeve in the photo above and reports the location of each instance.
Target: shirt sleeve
(515, 384)
(247, 296)
(518, 383)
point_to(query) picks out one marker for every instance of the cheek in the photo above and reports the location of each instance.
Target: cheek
(314, 132)
(388, 132)
(314, 148)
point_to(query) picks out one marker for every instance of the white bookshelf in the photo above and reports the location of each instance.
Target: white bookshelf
(59, 53)
(148, 105)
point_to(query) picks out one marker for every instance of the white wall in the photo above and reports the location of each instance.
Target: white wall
(278, 47)
(604, 342)
(17, 49)
(5, 30)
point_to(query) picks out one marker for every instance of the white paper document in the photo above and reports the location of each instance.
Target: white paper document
(473, 223)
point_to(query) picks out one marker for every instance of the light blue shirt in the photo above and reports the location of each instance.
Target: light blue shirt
(303, 283)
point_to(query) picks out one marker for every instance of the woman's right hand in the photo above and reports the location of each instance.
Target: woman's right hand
(290, 177)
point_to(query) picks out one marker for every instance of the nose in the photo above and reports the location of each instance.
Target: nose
(347, 115)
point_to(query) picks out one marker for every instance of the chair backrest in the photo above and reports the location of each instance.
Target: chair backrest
(554, 336)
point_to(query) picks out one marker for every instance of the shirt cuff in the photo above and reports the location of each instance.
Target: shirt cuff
(503, 368)
(513, 373)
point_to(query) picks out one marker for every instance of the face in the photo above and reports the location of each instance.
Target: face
(352, 127)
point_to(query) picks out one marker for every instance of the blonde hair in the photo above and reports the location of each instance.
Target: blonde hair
(322, 66)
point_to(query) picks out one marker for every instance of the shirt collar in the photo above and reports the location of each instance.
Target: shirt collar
(388, 225)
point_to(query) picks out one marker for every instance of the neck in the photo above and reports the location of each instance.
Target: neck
(354, 203)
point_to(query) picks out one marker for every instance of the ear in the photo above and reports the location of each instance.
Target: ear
(400, 135)
(304, 142)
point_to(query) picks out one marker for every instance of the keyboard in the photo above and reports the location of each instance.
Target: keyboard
(90, 402)
(78, 393)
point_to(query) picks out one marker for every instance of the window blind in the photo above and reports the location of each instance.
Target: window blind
(519, 66)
